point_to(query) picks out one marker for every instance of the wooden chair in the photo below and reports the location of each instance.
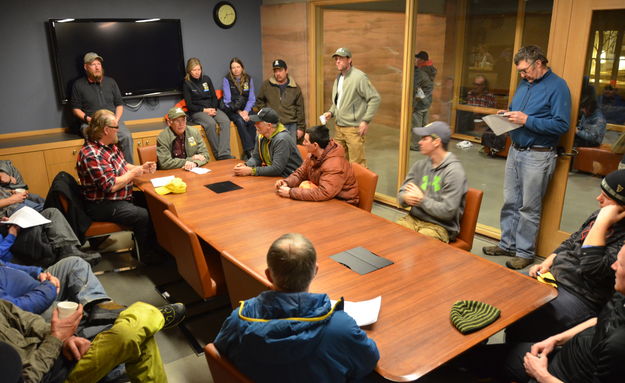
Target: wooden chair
(146, 153)
(468, 222)
(222, 370)
(303, 151)
(367, 182)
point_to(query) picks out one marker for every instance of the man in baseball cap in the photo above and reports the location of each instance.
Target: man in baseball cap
(284, 96)
(275, 153)
(434, 187)
(94, 92)
(179, 145)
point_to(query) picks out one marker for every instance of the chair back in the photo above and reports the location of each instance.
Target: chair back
(222, 370)
(190, 259)
(303, 152)
(367, 182)
(156, 205)
(147, 153)
(468, 222)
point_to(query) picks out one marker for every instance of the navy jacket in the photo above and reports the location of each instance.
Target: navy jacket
(547, 103)
(269, 342)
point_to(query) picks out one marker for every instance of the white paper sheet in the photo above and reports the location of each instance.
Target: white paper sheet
(161, 181)
(499, 123)
(364, 312)
(198, 170)
(27, 217)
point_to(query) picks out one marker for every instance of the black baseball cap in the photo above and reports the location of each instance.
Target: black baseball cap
(278, 64)
(266, 115)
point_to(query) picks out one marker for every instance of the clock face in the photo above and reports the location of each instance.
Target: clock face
(225, 15)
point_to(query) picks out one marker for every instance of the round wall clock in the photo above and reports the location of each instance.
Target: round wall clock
(224, 14)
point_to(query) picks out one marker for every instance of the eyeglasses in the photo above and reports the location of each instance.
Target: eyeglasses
(524, 70)
(114, 127)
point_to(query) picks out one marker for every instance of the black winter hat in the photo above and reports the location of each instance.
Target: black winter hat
(613, 185)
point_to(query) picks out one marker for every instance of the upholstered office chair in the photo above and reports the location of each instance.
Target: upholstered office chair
(367, 182)
(146, 153)
(468, 222)
(222, 370)
(303, 151)
(202, 273)
(157, 205)
(99, 229)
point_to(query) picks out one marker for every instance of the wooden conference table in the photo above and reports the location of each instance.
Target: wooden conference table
(413, 332)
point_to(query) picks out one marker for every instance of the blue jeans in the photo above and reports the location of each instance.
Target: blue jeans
(292, 128)
(527, 175)
(78, 283)
(246, 129)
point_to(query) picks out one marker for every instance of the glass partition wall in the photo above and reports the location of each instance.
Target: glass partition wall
(470, 44)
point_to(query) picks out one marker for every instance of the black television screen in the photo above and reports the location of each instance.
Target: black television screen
(144, 57)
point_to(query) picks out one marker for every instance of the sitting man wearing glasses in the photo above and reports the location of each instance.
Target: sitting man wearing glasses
(179, 145)
(107, 181)
(542, 106)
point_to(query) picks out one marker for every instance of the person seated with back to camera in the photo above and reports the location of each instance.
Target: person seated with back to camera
(291, 335)
(275, 152)
(592, 124)
(179, 145)
(325, 174)
(435, 187)
(239, 99)
(203, 105)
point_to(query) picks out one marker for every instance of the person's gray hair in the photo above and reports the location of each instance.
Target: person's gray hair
(292, 261)
(530, 53)
(100, 119)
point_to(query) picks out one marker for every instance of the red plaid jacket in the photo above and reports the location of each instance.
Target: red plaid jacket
(98, 165)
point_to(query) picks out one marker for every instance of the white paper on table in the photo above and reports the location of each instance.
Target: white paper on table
(499, 123)
(27, 217)
(161, 181)
(198, 170)
(364, 312)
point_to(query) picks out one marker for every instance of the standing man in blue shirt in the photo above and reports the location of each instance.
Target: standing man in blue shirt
(542, 105)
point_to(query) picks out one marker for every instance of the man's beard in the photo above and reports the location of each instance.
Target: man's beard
(96, 77)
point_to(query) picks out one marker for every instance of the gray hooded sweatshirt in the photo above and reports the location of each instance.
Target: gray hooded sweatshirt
(444, 187)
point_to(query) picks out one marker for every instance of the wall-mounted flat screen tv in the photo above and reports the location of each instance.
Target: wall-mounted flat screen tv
(144, 56)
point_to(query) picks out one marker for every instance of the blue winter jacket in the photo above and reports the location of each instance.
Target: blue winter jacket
(5, 247)
(20, 286)
(295, 337)
(547, 103)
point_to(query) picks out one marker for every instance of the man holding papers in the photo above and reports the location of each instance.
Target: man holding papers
(107, 181)
(542, 105)
(290, 335)
(179, 145)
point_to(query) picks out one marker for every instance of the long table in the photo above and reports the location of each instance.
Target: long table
(413, 333)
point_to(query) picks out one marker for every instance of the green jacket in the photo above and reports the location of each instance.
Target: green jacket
(194, 144)
(359, 102)
(289, 105)
(29, 335)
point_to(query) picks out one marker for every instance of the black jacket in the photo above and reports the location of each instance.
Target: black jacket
(199, 94)
(65, 184)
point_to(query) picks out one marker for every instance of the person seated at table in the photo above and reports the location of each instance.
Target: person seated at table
(239, 99)
(40, 245)
(581, 267)
(11, 181)
(179, 145)
(53, 352)
(203, 104)
(35, 290)
(275, 152)
(592, 124)
(434, 187)
(107, 182)
(592, 351)
(290, 335)
(324, 175)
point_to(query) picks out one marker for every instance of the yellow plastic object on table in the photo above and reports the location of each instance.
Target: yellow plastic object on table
(547, 278)
(177, 186)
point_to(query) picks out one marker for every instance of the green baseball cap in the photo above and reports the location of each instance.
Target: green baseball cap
(89, 57)
(343, 52)
(175, 112)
